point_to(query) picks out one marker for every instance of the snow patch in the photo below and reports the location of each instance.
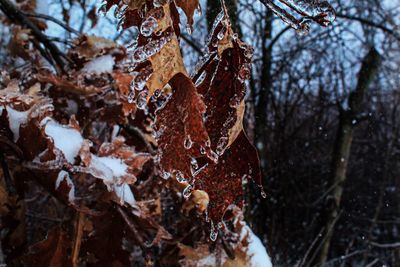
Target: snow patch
(100, 65)
(110, 170)
(68, 140)
(107, 168)
(15, 119)
(255, 250)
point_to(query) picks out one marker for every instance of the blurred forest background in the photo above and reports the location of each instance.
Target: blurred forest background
(323, 112)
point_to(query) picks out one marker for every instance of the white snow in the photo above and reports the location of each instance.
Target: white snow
(68, 140)
(15, 119)
(107, 168)
(125, 194)
(100, 65)
(63, 175)
(255, 250)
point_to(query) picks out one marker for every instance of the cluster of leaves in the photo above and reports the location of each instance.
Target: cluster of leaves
(119, 136)
(146, 162)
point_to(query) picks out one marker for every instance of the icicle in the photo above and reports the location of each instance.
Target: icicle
(179, 177)
(188, 142)
(213, 233)
(187, 191)
(102, 9)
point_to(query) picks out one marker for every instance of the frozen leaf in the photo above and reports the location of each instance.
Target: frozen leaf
(224, 120)
(223, 181)
(182, 116)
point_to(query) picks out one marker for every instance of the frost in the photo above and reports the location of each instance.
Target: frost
(15, 119)
(68, 140)
(103, 64)
(188, 142)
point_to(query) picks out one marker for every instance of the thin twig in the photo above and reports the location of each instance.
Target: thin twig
(56, 21)
(378, 245)
(80, 217)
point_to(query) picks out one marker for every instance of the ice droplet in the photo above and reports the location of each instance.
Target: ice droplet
(148, 26)
(189, 29)
(263, 194)
(157, 93)
(132, 45)
(188, 142)
(179, 177)
(120, 25)
(158, 3)
(222, 143)
(141, 100)
(194, 164)
(213, 156)
(221, 34)
(165, 175)
(201, 78)
(187, 191)
(213, 233)
(131, 96)
(102, 9)
(121, 12)
(304, 27)
(116, 11)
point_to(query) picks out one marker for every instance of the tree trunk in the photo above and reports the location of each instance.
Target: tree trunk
(342, 147)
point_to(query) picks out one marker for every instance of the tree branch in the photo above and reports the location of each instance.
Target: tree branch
(370, 23)
(16, 16)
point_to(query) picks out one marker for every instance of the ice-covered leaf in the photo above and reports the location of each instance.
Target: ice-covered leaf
(221, 81)
(179, 129)
(223, 181)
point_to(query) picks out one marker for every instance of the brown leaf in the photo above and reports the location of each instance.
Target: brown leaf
(180, 130)
(52, 251)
